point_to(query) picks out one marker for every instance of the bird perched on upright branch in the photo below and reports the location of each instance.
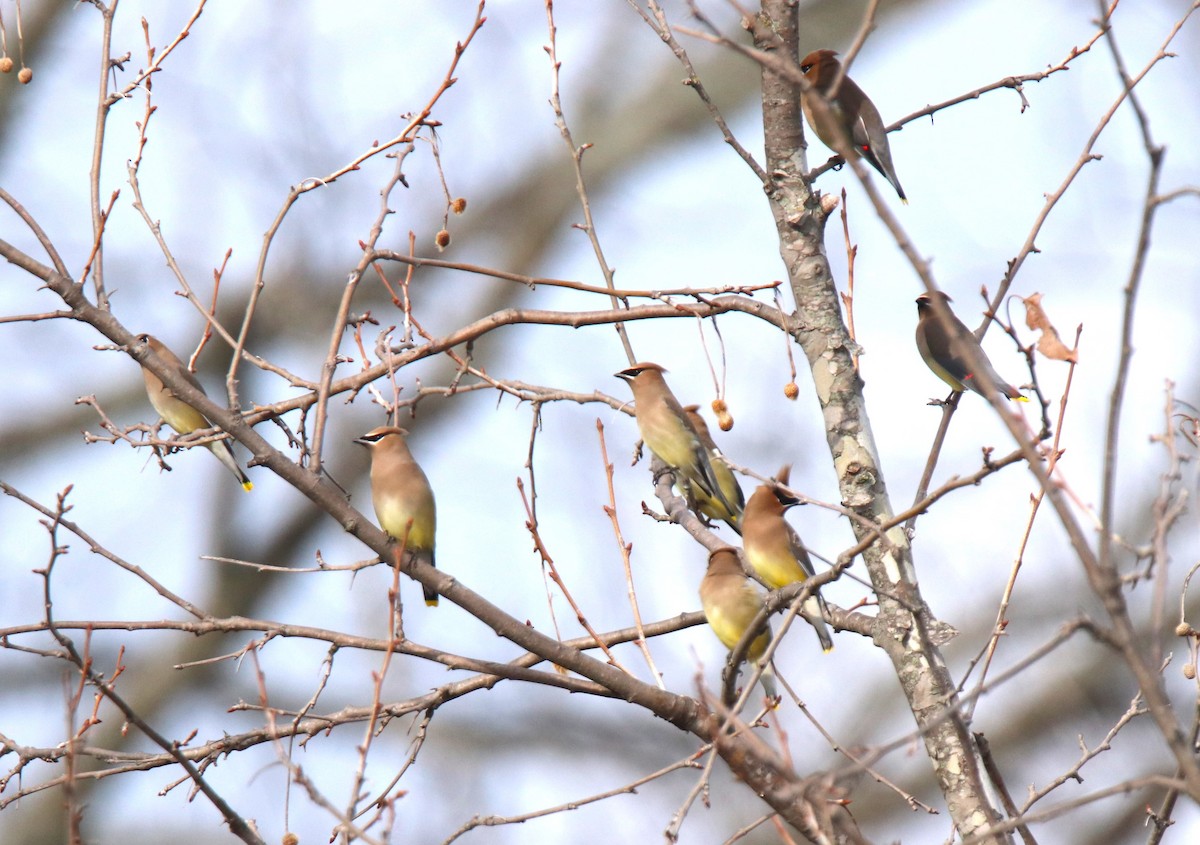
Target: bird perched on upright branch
(667, 431)
(402, 496)
(730, 604)
(851, 114)
(179, 414)
(774, 549)
(947, 345)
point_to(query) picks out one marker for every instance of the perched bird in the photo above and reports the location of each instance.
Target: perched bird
(402, 496)
(851, 114)
(710, 507)
(665, 428)
(179, 414)
(774, 550)
(730, 604)
(945, 344)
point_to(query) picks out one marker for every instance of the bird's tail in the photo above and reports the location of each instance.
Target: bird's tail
(431, 596)
(224, 454)
(814, 613)
(767, 679)
(733, 522)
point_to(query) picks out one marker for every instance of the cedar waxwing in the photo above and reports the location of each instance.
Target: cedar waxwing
(180, 415)
(852, 113)
(666, 430)
(402, 496)
(730, 604)
(945, 350)
(774, 550)
(732, 491)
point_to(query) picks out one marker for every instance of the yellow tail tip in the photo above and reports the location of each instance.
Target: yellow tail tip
(431, 602)
(1021, 398)
(247, 486)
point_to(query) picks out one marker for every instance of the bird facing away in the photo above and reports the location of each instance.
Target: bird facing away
(179, 414)
(402, 496)
(665, 428)
(945, 346)
(732, 491)
(774, 549)
(851, 113)
(730, 604)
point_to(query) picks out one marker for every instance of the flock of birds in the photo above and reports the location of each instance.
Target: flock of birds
(676, 434)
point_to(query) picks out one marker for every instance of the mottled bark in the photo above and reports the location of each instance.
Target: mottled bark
(904, 619)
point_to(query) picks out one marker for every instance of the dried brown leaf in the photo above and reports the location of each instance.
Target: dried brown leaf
(1049, 344)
